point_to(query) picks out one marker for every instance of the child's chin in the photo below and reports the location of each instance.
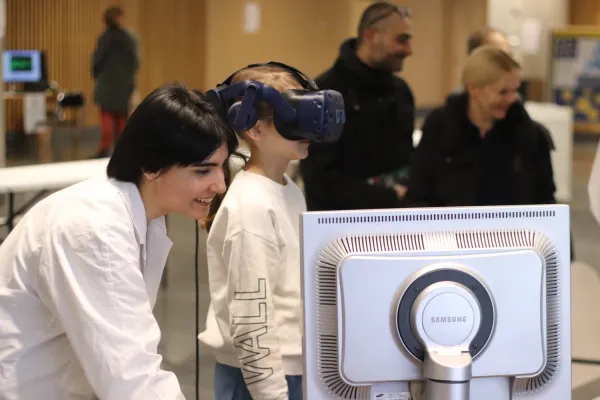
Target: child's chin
(300, 152)
(301, 155)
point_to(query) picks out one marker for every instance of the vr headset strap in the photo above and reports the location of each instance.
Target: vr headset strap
(304, 80)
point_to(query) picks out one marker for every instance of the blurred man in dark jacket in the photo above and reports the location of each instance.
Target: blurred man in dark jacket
(114, 65)
(366, 167)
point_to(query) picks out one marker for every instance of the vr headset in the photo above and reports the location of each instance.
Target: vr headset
(298, 114)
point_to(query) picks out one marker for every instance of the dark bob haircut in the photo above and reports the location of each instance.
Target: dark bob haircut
(172, 127)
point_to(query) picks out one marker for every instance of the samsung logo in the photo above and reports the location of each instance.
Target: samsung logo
(448, 320)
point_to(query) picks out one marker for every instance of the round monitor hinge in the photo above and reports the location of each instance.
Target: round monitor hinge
(472, 284)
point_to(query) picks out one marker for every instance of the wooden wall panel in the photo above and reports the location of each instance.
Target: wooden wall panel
(66, 30)
(304, 33)
(584, 12)
(424, 69)
(184, 40)
(461, 19)
(171, 36)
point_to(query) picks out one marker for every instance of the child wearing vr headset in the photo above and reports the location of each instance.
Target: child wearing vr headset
(254, 322)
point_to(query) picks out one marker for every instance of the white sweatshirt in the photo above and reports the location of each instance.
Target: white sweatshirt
(253, 249)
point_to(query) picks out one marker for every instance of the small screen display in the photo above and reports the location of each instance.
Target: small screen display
(22, 66)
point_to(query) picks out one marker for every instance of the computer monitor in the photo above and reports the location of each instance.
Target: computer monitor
(449, 303)
(22, 66)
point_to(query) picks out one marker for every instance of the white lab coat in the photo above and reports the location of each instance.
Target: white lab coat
(79, 277)
(594, 187)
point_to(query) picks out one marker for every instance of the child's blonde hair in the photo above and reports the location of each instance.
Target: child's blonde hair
(274, 76)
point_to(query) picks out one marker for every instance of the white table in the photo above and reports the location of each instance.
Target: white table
(42, 178)
(559, 121)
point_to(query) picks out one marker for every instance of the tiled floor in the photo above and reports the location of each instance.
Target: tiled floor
(175, 306)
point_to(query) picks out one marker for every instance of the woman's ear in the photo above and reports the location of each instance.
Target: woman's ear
(150, 176)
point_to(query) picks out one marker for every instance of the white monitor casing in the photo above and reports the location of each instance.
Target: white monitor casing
(358, 265)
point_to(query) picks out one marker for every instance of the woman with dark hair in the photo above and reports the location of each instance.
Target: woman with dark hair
(114, 64)
(80, 272)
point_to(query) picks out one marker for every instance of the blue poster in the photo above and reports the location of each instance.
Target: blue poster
(576, 76)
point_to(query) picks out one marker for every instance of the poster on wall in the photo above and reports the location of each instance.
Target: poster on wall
(575, 76)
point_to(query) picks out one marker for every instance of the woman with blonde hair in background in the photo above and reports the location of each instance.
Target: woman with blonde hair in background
(481, 147)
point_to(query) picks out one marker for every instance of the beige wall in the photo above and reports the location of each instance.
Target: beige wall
(308, 33)
(552, 14)
(424, 70)
(509, 16)
(303, 33)
(462, 18)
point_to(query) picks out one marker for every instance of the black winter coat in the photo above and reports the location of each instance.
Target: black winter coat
(114, 64)
(454, 166)
(376, 140)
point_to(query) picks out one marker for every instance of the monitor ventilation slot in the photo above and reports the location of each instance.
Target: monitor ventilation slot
(545, 246)
(396, 243)
(437, 216)
(327, 301)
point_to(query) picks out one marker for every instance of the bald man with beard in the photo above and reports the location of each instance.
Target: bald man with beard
(366, 167)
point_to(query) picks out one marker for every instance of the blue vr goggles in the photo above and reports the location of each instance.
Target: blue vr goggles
(298, 114)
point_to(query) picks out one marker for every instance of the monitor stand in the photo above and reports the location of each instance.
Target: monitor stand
(447, 375)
